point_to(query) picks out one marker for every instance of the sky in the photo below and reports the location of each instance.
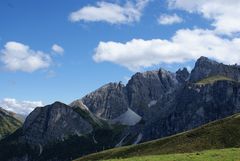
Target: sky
(60, 50)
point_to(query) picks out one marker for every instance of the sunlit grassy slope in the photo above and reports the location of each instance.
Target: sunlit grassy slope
(8, 124)
(220, 134)
(210, 155)
(212, 79)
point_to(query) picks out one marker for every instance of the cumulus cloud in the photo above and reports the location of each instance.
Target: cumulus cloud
(57, 49)
(110, 12)
(19, 107)
(19, 57)
(185, 45)
(169, 19)
(225, 14)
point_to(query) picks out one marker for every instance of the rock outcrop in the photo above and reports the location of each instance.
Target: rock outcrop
(148, 88)
(107, 102)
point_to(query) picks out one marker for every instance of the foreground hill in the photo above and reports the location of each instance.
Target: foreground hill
(209, 155)
(8, 123)
(220, 134)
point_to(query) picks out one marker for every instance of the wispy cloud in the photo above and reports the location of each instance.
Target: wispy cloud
(19, 57)
(110, 12)
(169, 19)
(57, 49)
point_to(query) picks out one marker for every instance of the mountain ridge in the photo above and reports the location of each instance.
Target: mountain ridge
(161, 102)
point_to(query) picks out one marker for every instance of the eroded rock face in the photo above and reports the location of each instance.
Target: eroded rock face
(53, 122)
(192, 105)
(108, 102)
(182, 75)
(195, 105)
(142, 92)
(205, 67)
(146, 89)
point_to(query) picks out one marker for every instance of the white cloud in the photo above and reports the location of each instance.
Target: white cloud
(110, 12)
(57, 49)
(19, 57)
(169, 19)
(186, 45)
(19, 107)
(224, 13)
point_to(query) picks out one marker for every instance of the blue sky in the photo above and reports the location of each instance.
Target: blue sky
(104, 41)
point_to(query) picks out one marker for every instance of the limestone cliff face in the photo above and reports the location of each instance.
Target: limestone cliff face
(52, 123)
(192, 106)
(145, 90)
(108, 102)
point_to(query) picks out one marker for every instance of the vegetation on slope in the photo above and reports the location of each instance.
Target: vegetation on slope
(220, 134)
(8, 124)
(72, 147)
(212, 79)
(209, 155)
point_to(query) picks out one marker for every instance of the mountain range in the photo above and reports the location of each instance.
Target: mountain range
(152, 105)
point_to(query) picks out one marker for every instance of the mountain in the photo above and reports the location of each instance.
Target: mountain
(60, 132)
(169, 103)
(152, 105)
(215, 135)
(206, 68)
(8, 123)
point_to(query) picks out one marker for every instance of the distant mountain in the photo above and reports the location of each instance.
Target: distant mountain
(8, 123)
(152, 105)
(215, 135)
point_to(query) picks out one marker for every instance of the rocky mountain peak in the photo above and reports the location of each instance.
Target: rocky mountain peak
(54, 122)
(205, 67)
(79, 103)
(182, 75)
(205, 60)
(108, 102)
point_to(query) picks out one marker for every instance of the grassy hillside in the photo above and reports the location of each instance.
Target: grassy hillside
(8, 124)
(213, 79)
(220, 134)
(210, 155)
